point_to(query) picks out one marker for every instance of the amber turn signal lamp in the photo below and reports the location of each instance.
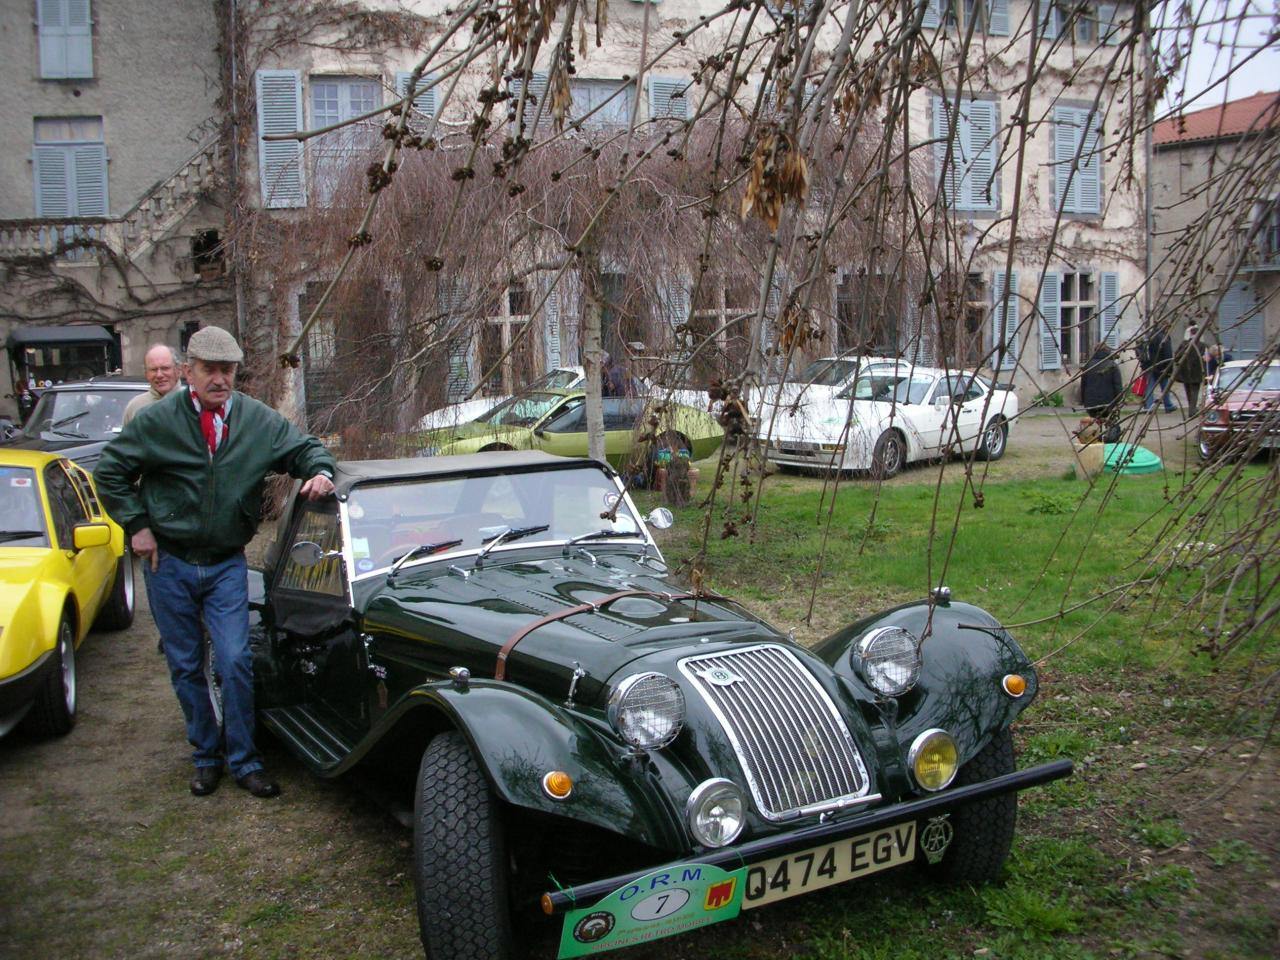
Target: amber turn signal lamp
(558, 784)
(547, 908)
(1014, 685)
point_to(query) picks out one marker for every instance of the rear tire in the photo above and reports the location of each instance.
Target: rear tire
(53, 713)
(984, 829)
(889, 456)
(459, 857)
(995, 439)
(118, 612)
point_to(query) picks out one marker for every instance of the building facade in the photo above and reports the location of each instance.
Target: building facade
(1216, 223)
(111, 170)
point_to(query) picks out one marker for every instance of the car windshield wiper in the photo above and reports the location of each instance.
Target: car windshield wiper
(506, 535)
(420, 550)
(63, 421)
(7, 535)
(73, 434)
(601, 535)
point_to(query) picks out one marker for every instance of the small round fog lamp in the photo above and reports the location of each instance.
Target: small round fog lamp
(716, 812)
(933, 759)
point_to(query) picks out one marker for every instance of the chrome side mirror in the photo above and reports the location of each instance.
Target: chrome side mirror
(661, 518)
(306, 553)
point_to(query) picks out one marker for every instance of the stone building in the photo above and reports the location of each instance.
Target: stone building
(1216, 216)
(111, 171)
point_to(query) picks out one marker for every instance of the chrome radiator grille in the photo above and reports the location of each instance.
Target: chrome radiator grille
(793, 745)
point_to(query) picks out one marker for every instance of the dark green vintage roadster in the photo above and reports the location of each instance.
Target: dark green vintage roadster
(495, 637)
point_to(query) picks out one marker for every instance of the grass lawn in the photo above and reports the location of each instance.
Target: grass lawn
(1164, 841)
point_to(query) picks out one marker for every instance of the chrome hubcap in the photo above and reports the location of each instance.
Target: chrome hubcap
(67, 654)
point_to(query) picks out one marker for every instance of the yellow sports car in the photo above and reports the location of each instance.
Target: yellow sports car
(63, 569)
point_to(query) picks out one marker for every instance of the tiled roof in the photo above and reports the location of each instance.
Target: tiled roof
(1226, 120)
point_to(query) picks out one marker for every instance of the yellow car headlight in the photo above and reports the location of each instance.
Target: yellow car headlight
(933, 759)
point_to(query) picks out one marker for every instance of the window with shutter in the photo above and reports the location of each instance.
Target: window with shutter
(1050, 322)
(551, 329)
(1110, 311)
(345, 151)
(535, 107)
(1004, 317)
(1240, 321)
(991, 16)
(65, 29)
(280, 161)
(70, 165)
(425, 102)
(1077, 155)
(601, 103)
(669, 98)
(966, 153)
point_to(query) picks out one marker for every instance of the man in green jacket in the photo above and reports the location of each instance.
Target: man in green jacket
(184, 478)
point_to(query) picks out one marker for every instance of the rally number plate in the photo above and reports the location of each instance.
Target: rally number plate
(809, 870)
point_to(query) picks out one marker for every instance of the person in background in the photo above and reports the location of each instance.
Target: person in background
(1102, 386)
(1188, 367)
(614, 381)
(160, 367)
(1158, 365)
(1213, 359)
(184, 478)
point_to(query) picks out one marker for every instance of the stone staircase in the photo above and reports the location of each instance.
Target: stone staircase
(128, 236)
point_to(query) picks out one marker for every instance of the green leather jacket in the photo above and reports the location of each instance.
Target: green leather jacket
(158, 474)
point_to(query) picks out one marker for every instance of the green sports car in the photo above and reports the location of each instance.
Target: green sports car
(556, 421)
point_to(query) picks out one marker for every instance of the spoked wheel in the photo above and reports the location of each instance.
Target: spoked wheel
(459, 857)
(889, 456)
(994, 440)
(54, 711)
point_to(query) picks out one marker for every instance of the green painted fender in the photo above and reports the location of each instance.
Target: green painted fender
(518, 737)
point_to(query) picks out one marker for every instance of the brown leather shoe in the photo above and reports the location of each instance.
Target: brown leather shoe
(205, 780)
(259, 784)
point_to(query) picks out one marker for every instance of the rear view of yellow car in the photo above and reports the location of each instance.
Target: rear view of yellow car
(63, 569)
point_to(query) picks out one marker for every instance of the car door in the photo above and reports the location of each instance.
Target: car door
(93, 568)
(564, 432)
(316, 632)
(969, 404)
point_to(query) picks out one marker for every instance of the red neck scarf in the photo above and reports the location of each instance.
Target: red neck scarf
(212, 424)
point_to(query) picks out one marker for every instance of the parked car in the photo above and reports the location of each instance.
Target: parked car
(893, 414)
(556, 421)
(1242, 410)
(455, 414)
(78, 419)
(495, 639)
(64, 567)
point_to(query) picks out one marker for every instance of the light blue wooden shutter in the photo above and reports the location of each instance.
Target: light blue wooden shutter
(1066, 147)
(551, 328)
(668, 97)
(424, 103)
(998, 18)
(674, 295)
(65, 28)
(948, 173)
(1048, 20)
(932, 13)
(53, 182)
(1108, 24)
(536, 99)
(1109, 308)
(280, 161)
(1004, 317)
(1240, 321)
(1051, 322)
(980, 188)
(1090, 165)
(450, 299)
(89, 168)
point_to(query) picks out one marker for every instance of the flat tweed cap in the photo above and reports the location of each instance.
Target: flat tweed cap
(214, 344)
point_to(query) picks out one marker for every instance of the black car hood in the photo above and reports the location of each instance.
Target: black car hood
(473, 617)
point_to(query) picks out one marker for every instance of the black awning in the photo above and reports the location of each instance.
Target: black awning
(49, 336)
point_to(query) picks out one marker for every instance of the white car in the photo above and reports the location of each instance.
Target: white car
(784, 408)
(892, 415)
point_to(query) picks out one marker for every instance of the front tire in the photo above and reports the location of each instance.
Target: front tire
(53, 713)
(118, 612)
(459, 857)
(984, 829)
(889, 456)
(995, 439)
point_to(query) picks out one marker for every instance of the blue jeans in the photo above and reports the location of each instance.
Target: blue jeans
(1149, 400)
(184, 596)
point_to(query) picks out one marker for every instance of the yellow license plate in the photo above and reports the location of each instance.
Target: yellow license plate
(809, 870)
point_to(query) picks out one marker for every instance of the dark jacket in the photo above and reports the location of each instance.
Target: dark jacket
(1188, 365)
(1159, 355)
(1101, 385)
(201, 509)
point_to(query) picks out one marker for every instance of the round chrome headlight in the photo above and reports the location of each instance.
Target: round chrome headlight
(647, 710)
(933, 759)
(889, 660)
(716, 812)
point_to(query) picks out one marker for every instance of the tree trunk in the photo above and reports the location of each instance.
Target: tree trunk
(592, 352)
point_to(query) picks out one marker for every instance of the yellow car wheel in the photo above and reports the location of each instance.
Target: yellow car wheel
(54, 711)
(117, 614)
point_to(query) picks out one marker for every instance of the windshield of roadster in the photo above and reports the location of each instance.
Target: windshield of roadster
(389, 519)
(523, 411)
